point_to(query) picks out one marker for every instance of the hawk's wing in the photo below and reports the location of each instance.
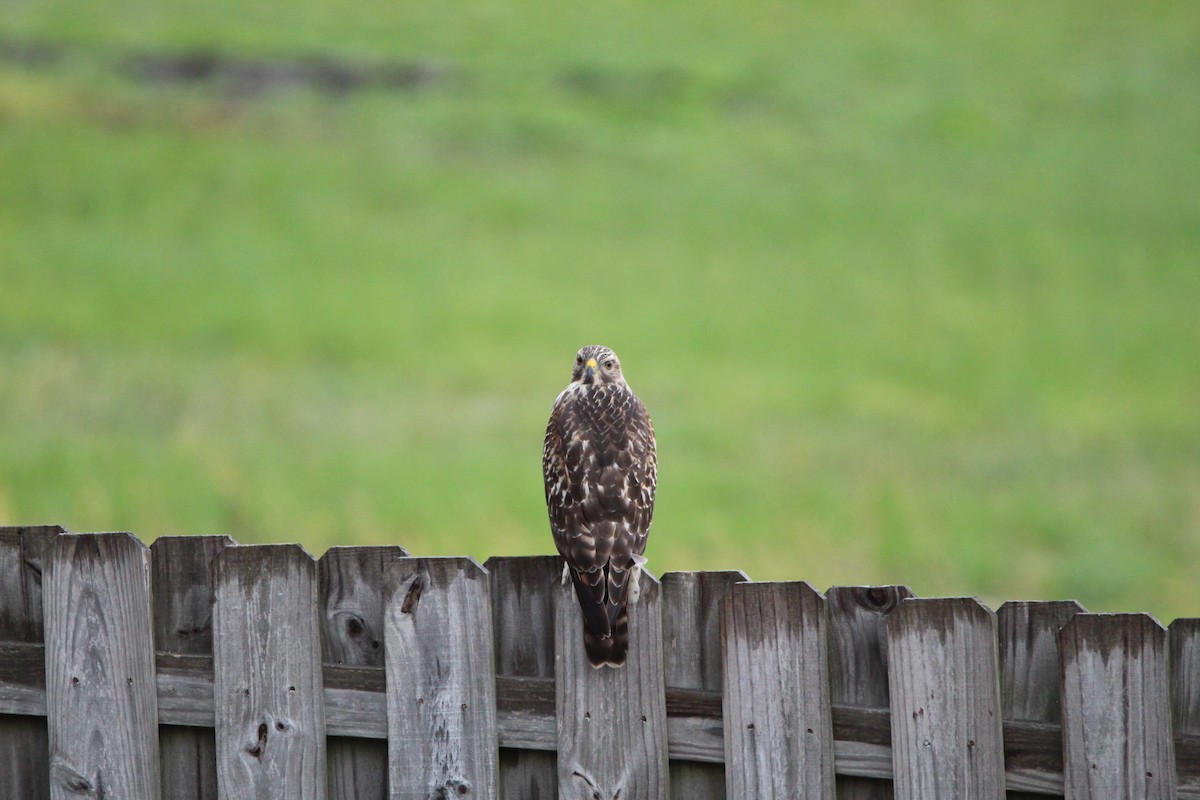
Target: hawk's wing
(600, 469)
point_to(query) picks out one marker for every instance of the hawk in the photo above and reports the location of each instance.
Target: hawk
(601, 470)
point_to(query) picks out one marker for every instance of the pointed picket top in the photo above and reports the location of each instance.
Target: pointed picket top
(692, 660)
(182, 598)
(24, 550)
(351, 597)
(181, 590)
(441, 688)
(943, 676)
(858, 676)
(350, 591)
(23, 553)
(1030, 684)
(777, 714)
(858, 642)
(1029, 661)
(523, 590)
(1117, 738)
(267, 682)
(101, 696)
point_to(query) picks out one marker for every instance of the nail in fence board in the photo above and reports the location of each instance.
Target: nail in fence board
(1117, 740)
(1184, 636)
(858, 676)
(441, 690)
(350, 595)
(24, 757)
(1030, 684)
(691, 617)
(267, 681)
(778, 722)
(181, 593)
(523, 627)
(942, 674)
(612, 722)
(101, 698)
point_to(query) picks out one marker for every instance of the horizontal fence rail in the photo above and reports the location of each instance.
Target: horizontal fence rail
(199, 668)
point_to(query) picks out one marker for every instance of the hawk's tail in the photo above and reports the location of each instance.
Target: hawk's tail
(608, 651)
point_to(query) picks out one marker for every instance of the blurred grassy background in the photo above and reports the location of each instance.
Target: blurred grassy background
(910, 288)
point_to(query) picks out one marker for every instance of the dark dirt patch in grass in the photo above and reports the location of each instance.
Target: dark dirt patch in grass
(240, 75)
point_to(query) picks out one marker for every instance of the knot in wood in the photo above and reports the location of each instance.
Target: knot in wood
(413, 596)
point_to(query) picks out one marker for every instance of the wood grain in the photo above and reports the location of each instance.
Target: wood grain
(858, 666)
(101, 697)
(945, 691)
(267, 682)
(24, 751)
(356, 707)
(1184, 636)
(350, 596)
(612, 723)
(692, 660)
(441, 692)
(523, 631)
(181, 594)
(778, 720)
(1030, 685)
(1117, 739)
(1123, 708)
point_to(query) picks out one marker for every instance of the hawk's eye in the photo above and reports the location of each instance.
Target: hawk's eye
(578, 359)
(608, 365)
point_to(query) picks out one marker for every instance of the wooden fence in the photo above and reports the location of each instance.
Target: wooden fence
(197, 668)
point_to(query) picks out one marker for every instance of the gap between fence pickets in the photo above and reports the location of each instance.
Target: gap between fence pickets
(355, 707)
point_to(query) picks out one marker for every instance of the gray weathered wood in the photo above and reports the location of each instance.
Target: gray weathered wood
(1184, 636)
(1030, 683)
(267, 684)
(523, 632)
(612, 742)
(181, 592)
(101, 697)
(350, 592)
(1117, 740)
(441, 691)
(692, 660)
(858, 666)
(778, 721)
(945, 691)
(24, 756)
(355, 705)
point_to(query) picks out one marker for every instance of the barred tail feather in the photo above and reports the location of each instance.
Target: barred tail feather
(608, 651)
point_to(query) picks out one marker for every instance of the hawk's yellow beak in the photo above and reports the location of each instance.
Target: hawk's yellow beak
(591, 367)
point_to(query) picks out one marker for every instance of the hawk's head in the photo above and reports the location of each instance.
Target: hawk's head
(597, 364)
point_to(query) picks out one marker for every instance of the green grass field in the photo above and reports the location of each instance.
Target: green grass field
(911, 289)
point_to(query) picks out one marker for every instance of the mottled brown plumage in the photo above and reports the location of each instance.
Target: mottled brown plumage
(600, 468)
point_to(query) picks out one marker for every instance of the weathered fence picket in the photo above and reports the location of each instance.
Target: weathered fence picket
(778, 721)
(1117, 737)
(267, 681)
(1029, 684)
(612, 723)
(691, 618)
(181, 593)
(441, 694)
(1184, 636)
(350, 595)
(201, 669)
(858, 676)
(523, 631)
(942, 674)
(23, 745)
(101, 697)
